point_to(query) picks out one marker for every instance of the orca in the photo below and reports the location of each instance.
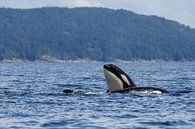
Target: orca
(118, 81)
(68, 91)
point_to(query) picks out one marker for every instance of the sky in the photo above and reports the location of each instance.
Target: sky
(182, 11)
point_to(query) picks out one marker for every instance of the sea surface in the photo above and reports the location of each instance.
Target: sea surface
(31, 96)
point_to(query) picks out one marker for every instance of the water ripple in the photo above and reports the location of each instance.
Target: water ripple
(31, 96)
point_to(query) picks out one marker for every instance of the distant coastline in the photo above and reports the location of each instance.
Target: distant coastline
(61, 34)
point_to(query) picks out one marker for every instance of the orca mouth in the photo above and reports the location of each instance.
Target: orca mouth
(112, 68)
(108, 66)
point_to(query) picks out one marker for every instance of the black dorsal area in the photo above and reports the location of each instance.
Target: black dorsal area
(68, 91)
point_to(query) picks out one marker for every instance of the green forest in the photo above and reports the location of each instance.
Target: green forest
(92, 33)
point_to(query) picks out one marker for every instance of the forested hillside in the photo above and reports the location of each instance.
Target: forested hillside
(91, 33)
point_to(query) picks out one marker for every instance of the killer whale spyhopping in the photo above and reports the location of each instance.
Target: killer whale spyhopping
(118, 81)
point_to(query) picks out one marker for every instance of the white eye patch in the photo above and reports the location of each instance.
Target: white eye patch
(125, 79)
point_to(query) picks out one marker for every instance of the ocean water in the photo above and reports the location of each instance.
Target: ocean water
(31, 96)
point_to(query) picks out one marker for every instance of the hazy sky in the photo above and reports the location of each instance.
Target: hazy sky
(182, 11)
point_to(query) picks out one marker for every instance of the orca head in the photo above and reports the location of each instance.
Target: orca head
(116, 79)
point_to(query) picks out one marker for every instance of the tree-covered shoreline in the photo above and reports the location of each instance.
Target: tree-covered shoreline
(92, 34)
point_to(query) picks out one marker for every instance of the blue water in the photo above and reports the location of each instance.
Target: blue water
(31, 96)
